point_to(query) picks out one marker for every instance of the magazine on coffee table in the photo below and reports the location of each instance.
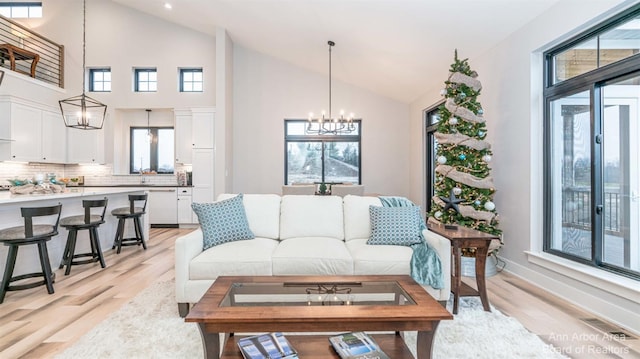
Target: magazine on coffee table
(267, 346)
(357, 345)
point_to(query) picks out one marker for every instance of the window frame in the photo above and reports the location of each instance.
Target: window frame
(592, 82)
(92, 72)
(153, 158)
(322, 139)
(430, 151)
(181, 79)
(136, 78)
(28, 5)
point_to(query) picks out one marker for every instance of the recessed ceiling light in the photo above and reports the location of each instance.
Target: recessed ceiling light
(167, 6)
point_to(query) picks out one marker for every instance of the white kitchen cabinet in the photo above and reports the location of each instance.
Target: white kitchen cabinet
(183, 135)
(203, 124)
(85, 146)
(30, 132)
(54, 138)
(203, 169)
(185, 213)
(162, 205)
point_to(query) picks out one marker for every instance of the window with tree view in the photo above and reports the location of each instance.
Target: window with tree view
(592, 134)
(321, 158)
(152, 150)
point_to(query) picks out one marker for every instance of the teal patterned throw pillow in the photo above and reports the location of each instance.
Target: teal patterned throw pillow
(223, 221)
(395, 225)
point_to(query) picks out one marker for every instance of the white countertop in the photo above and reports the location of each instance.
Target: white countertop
(7, 197)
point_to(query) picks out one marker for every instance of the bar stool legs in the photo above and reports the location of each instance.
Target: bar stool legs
(7, 279)
(90, 222)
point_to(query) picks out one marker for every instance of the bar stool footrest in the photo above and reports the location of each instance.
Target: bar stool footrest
(29, 285)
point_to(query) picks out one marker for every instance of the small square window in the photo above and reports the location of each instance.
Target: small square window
(146, 80)
(100, 80)
(191, 80)
(21, 10)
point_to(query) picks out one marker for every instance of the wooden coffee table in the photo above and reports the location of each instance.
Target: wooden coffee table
(314, 304)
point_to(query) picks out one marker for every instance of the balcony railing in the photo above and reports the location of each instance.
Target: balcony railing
(576, 210)
(29, 53)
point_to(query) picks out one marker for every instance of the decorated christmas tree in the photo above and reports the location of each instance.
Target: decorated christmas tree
(463, 185)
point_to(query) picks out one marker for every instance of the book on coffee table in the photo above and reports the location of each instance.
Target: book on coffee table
(356, 345)
(267, 346)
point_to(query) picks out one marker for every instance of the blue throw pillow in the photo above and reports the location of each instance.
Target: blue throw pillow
(223, 221)
(395, 225)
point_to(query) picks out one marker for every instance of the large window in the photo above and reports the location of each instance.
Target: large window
(152, 150)
(321, 158)
(592, 146)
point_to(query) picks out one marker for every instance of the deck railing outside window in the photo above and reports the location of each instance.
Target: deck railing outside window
(576, 210)
(32, 54)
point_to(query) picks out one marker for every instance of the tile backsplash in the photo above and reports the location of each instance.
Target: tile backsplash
(94, 175)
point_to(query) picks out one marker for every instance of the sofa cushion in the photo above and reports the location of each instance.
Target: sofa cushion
(395, 225)
(250, 257)
(312, 256)
(263, 213)
(379, 259)
(356, 216)
(311, 216)
(222, 221)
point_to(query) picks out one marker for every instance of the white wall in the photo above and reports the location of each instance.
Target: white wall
(511, 76)
(123, 38)
(267, 91)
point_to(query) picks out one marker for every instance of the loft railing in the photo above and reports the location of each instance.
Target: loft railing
(29, 53)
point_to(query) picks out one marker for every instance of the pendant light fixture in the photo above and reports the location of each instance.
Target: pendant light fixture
(149, 134)
(327, 124)
(83, 112)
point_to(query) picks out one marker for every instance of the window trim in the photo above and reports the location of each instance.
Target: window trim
(430, 152)
(591, 81)
(153, 160)
(181, 81)
(92, 72)
(28, 5)
(136, 80)
(321, 139)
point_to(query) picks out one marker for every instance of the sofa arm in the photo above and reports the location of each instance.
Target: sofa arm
(443, 248)
(187, 247)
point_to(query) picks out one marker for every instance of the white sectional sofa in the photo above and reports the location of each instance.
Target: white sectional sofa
(298, 235)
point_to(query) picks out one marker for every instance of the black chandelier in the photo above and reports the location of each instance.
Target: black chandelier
(329, 125)
(83, 112)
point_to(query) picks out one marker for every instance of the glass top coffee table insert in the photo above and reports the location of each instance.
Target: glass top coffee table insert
(317, 304)
(321, 293)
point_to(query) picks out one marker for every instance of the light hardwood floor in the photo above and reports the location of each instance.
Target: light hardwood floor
(34, 324)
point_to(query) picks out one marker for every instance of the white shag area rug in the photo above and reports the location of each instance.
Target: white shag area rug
(149, 327)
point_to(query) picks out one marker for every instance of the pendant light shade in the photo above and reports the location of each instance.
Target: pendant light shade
(83, 112)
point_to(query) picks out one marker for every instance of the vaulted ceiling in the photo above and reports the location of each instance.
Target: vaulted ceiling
(396, 48)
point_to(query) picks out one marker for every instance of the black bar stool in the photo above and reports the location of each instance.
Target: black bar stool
(87, 221)
(134, 212)
(30, 233)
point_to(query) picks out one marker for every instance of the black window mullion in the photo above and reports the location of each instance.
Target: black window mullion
(597, 180)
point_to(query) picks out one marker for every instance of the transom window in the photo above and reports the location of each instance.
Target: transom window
(191, 80)
(321, 158)
(146, 80)
(21, 10)
(592, 147)
(100, 80)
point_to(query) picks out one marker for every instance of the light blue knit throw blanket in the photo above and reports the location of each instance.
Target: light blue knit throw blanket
(426, 268)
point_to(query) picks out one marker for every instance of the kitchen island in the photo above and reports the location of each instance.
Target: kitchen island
(71, 200)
